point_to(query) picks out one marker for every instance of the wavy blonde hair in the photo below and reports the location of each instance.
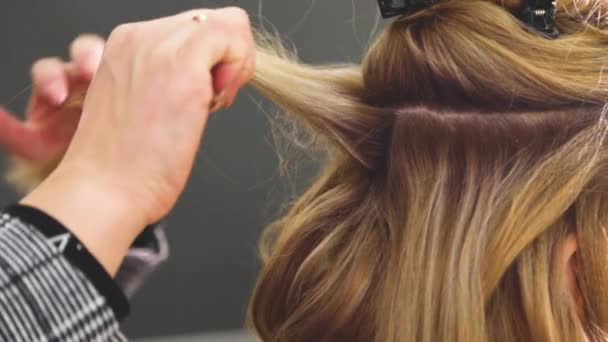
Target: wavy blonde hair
(460, 154)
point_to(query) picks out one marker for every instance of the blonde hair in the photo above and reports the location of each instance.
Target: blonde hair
(460, 154)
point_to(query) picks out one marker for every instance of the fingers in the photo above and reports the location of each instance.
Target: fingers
(86, 52)
(199, 43)
(50, 80)
(210, 41)
(53, 77)
(233, 55)
(228, 78)
(238, 63)
(15, 137)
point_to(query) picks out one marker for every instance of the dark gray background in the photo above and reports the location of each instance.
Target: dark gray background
(235, 188)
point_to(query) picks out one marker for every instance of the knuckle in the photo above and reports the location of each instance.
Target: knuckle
(86, 40)
(160, 67)
(89, 37)
(196, 79)
(123, 35)
(46, 65)
(250, 68)
(39, 65)
(242, 48)
(241, 28)
(237, 14)
(232, 19)
(75, 43)
(248, 44)
(164, 56)
(192, 87)
(123, 43)
(198, 85)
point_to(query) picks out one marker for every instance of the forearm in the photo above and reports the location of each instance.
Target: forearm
(93, 210)
(141, 259)
(72, 295)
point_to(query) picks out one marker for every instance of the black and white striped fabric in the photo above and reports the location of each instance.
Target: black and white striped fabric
(150, 250)
(43, 296)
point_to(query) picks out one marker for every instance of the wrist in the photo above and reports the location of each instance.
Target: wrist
(94, 209)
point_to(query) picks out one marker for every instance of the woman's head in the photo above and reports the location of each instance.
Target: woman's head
(465, 189)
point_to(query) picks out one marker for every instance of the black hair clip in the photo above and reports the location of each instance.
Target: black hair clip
(538, 14)
(393, 8)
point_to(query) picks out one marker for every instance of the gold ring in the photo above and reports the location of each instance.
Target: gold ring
(199, 18)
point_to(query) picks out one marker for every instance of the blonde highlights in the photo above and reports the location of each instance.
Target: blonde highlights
(460, 154)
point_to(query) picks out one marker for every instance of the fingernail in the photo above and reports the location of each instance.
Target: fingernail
(58, 93)
(218, 102)
(89, 67)
(213, 106)
(230, 99)
(91, 63)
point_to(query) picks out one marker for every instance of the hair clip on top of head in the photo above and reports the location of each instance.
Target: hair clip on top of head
(393, 8)
(540, 15)
(537, 14)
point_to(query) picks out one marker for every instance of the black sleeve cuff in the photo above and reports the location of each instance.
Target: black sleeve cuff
(77, 254)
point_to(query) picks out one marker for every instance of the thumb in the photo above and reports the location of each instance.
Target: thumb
(15, 137)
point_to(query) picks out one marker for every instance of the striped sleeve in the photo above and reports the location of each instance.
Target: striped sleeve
(148, 252)
(44, 297)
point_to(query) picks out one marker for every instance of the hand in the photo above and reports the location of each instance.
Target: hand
(146, 109)
(142, 122)
(46, 132)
